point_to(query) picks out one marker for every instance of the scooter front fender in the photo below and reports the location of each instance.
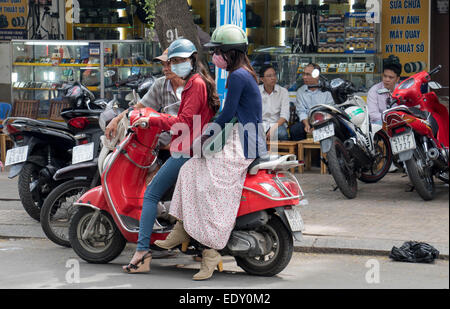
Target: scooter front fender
(94, 199)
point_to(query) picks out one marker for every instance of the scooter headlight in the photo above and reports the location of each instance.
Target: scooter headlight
(318, 118)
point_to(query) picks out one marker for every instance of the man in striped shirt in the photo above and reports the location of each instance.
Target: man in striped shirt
(165, 92)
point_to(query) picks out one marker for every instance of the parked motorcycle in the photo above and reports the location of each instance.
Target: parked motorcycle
(108, 215)
(41, 147)
(79, 178)
(354, 148)
(418, 127)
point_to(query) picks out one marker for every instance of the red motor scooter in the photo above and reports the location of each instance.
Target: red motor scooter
(418, 128)
(108, 215)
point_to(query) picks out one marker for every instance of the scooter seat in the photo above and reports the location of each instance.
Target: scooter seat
(274, 163)
(55, 125)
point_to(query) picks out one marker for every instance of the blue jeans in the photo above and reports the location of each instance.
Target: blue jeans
(282, 133)
(162, 181)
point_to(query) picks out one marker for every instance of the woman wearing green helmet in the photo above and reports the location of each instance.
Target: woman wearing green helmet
(199, 97)
(208, 190)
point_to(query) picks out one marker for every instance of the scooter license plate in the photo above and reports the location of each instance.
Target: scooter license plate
(295, 219)
(403, 142)
(323, 132)
(16, 155)
(82, 153)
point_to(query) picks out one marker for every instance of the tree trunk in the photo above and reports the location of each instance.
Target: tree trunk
(173, 20)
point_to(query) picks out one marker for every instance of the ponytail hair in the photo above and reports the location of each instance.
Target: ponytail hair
(213, 97)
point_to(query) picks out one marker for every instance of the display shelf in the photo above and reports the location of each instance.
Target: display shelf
(74, 65)
(102, 25)
(52, 65)
(93, 89)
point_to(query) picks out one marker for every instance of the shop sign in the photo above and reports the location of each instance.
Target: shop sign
(405, 33)
(13, 16)
(228, 12)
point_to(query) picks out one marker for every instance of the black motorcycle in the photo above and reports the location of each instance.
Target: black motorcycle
(354, 147)
(41, 147)
(77, 179)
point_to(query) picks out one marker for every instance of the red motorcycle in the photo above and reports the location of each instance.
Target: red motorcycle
(108, 215)
(418, 127)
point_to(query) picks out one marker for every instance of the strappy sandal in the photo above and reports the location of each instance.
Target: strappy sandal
(143, 266)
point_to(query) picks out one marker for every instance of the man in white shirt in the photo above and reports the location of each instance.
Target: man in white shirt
(275, 105)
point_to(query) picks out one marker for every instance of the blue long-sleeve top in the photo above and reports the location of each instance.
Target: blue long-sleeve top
(244, 101)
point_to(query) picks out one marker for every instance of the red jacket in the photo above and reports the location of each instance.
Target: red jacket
(194, 103)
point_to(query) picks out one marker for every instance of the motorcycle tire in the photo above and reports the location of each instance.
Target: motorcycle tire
(30, 202)
(56, 211)
(86, 249)
(422, 181)
(345, 178)
(385, 152)
(282, 251)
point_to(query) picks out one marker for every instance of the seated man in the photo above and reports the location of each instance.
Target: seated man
(307, 98)
(275, 105)
(377, 102)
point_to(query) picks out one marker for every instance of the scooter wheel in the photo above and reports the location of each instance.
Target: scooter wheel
(279, 256)
(102, 246)
(421, 178)
(58, 209)
(31, 201)
(339, 166)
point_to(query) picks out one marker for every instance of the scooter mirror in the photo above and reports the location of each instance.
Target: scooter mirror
(383, 91)
(434, 85)
(315, 73)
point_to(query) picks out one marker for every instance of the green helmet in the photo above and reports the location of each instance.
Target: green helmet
(228, 37)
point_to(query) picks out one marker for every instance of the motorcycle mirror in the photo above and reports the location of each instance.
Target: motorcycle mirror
(435, 85)
(315, 73)
(109, 73)
(383, 91)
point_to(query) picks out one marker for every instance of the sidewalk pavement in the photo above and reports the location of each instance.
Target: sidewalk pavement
(382, 215)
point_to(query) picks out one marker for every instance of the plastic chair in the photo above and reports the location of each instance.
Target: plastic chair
(5, 112)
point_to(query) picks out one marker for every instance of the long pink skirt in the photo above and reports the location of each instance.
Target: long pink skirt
(208, 193)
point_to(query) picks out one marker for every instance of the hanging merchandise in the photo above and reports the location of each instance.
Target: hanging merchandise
(305, 33)
(331, 32)
(42, 23)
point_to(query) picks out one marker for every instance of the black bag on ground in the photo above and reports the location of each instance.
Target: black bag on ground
(414, 252)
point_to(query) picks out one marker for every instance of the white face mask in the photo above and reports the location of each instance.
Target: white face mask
(182, 69)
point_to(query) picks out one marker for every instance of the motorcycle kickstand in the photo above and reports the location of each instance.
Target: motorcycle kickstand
(91, 223)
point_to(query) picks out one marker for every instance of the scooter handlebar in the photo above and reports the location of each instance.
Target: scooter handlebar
(435, 70)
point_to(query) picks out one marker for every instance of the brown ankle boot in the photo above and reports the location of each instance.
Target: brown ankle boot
(210, 260)
(176, 237)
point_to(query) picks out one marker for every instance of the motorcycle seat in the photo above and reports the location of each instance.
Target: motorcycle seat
(274, 162)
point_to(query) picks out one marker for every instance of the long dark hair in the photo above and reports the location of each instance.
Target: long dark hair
(213, 97)
(237, 59)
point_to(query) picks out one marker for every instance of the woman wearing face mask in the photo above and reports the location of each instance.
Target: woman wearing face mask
(208, 192)
(199, 97)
